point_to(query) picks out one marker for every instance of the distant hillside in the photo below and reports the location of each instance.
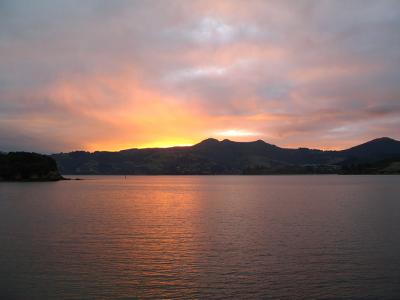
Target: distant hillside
(24, 166)
(375, 149)
(379, 156)
(227, 157)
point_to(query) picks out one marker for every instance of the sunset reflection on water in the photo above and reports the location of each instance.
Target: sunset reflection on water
(200, 237)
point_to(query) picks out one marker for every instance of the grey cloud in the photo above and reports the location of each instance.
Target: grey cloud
(353, 47)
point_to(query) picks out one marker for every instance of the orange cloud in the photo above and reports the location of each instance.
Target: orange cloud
(170, 73)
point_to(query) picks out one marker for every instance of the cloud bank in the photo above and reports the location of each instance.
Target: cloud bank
(108, 75)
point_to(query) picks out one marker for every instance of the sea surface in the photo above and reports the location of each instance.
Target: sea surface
(201, 237)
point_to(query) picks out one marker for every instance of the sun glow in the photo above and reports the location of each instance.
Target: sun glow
(236, 133)
(196, 70)
(166, 144)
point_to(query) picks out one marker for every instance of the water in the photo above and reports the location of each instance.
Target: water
(274, 237)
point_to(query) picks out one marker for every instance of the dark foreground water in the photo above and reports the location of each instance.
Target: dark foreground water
(273, 237)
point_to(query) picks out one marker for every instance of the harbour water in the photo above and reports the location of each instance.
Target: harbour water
(205, 237)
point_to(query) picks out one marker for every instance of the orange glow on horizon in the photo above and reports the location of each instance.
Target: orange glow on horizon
(186, 143)
(159, 75)
(117, 112)
(124, 146)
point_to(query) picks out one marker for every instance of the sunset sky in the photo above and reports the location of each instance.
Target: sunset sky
(110, 75)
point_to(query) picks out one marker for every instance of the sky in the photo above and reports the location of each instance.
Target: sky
(110, 75)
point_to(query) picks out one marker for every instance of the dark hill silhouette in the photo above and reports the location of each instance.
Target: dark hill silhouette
(376, 148)
(24, 166)
(228, 157)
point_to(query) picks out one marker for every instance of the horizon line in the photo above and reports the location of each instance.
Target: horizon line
(220, 141)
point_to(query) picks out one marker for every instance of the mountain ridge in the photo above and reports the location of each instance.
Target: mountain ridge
(212, 156)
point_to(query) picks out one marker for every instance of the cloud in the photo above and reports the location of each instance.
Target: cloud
(237, 133)
(108, 75)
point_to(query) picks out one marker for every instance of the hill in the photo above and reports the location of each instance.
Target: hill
(24, 166)
(228, 157)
